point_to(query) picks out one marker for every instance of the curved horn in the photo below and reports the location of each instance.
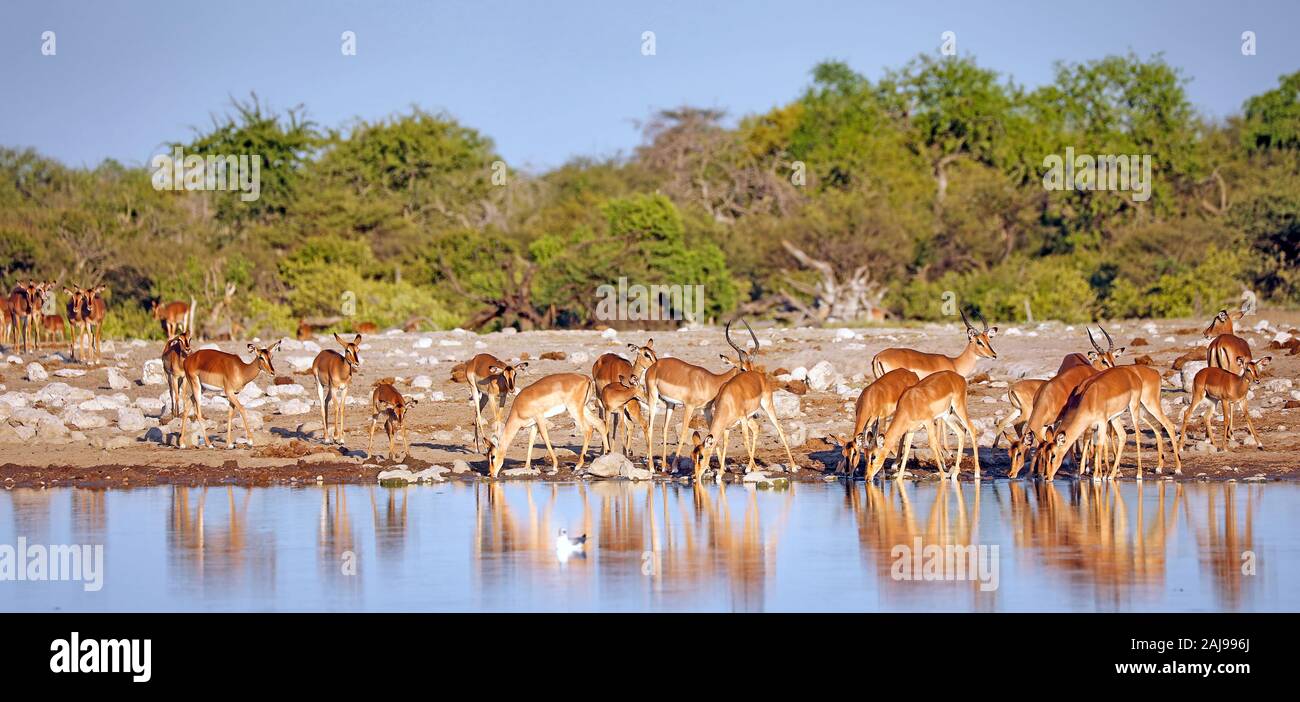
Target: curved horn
(727, 332)
(751, 333)
(964, 320)
(984, 323)
(1092, 340)
(1110, 343)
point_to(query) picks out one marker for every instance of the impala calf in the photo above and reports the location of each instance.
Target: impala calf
(174, 353)
(938, 396)
(548, 397)
(391, 406)
(623, 399)
(1230, 390)
(333, 372)
(228, 372)
(490, 380)
(610, 367)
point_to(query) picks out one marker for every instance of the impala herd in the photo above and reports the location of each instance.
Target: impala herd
(1080, 409)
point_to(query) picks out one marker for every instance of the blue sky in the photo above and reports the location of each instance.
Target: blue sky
(552, 80)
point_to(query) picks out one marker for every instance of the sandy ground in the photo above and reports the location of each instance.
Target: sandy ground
(289, 448)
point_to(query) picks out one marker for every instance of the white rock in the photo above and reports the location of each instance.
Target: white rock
(609, 333)
(786, 403)
(81, 419)
(294, 407)
(424, 342)
(131, 419)
(36, 372)
(300, 364)
(578, 357)
(152, 373)
(1189, 371)
(422, 381)
(1277, 384)
(116, 380)
(151, 406)
(799, 373)
(69, 373)
(843, 334)
(821, 376)
(15, 360)
(249, 393)
(285, 390)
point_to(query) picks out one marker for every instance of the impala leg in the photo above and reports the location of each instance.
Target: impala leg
(770, 411)
(478, 415)
(687, 413)
(932, 436)
(374, 423)
(722, 452)
(1245, 410)
(342, 401)
(528, 457)
(668, 415)
(550, 450)
(1228, 410)
(1168, 427)
(746, 425)
(1121, 438)
(391, 430)
(907, 451)
(406, 440)
(324, 397)
(652, 399)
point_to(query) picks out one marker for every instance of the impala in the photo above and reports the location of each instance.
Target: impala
(76, 309)
(610, 367)
(333, 372)
(875, 404)
(173, 316)
(1150, 398)
(1021, 398)
(940, 396)
(623, 398)
(23, 306)
(491, 378)
(1098, 402)
(1224, 321)
(1230, 390)
(92, 316)
(174, 353)
(677, 382)
(548, 397)
(850, 454)
(978, 345)
(228, 372)
(390, 405)
(1046, 407)
(53, 327)
(737, 400)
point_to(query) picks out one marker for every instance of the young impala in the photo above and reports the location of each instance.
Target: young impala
(491, 378)
(875, 404)
(623, 398)
(738, 399)
(610, 367)
(174, 353)
(93, 311)
(228, 372)
(1231, 391)
(940, 396)
(548, 397)
(676, 382)
(23, 306)
(333, 372)
(391, 406)
(979, 345)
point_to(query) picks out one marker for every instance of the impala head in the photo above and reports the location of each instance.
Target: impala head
(876, 457)
(181, 341)
(496, 456)
(643, 356)
(1100, 359)
(744, 359)
(980, 337)
(1253, 369)
(1053, 449)
(632, 383)
(350, 351)
(399, 408)
(701, 447)
(1223, 322)
(508, 374)
(850, 453)
(263, 356)
(1017, 449)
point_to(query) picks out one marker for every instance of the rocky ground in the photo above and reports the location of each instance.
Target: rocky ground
(64, 423)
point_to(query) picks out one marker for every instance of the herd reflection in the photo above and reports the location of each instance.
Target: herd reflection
(673, 546)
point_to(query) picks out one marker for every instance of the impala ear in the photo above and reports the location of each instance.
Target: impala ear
(880, 440)
(411, 402)
(992, 332)
(695, 439)
(252, 348)
(1263, 362)
(1060, 440)
(650, 344)
(495, 370)
(521, 366)
(1092, 356)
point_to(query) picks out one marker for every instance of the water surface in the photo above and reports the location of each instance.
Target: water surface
(815, 547)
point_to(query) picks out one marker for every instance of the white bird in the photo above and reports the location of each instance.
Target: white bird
(565, 546)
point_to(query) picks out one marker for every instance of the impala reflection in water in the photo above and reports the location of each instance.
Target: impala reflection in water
(491, 546)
